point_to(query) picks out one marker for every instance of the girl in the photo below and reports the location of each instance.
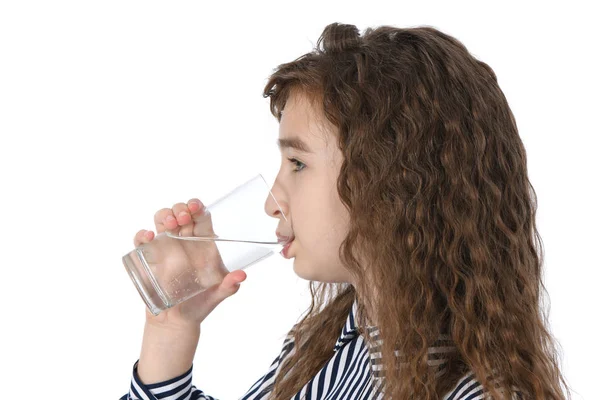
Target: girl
(404, 181)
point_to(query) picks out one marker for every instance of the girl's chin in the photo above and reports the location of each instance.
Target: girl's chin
(305, 272)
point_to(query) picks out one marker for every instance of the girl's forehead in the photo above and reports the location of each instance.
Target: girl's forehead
(303, 122)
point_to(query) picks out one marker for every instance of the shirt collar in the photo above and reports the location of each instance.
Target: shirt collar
(350, 330)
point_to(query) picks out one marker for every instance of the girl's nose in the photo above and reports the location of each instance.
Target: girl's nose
(275, 206)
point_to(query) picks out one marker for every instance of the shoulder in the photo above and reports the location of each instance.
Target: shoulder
(288, 342)
(468, 388)
(289, 337)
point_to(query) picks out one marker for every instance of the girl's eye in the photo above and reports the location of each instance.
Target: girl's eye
(299, 164)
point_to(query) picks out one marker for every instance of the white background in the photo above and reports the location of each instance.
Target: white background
(111, 110)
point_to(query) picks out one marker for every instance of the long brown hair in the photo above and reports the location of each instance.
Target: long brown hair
(435, 180)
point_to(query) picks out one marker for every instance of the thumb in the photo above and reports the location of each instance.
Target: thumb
(209, 299)
(231, 283)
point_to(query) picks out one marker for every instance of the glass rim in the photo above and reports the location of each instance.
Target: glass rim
(215, 239)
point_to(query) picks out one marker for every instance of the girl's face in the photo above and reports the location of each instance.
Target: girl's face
(305, 188)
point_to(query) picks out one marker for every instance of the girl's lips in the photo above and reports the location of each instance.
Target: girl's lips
(285, 250)
(284, 239)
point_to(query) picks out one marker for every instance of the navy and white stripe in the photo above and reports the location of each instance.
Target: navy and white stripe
(352, 373)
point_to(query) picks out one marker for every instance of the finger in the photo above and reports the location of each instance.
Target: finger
(214, 295)
(201, 219)
(195, 205)
(182, 213)
(184, 219)
(203, 225)
(162, 223)
(233, 278)
(143, 236)
(231, 283)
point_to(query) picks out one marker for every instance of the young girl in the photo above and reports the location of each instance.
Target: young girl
(404, 183)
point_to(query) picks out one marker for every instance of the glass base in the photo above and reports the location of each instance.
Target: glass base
(148, 290)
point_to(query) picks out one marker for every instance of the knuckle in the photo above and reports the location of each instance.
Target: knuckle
(139, 235)
(161, 214)
(195, 201)
(178, 207)
(197, 209)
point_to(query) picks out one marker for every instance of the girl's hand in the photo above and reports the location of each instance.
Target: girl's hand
(189, 220)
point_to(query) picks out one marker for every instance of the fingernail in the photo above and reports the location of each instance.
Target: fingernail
(170, 218)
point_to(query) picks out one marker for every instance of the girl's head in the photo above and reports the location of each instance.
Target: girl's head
(414, 198)
(305, 190)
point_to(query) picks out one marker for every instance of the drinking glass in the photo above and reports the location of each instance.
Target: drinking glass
(233, 233)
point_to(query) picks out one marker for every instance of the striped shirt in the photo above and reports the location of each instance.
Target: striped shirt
(352, 373)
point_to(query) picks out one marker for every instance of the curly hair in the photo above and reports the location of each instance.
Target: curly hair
(435, 180)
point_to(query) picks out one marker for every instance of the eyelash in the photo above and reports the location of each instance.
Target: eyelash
(294, 161)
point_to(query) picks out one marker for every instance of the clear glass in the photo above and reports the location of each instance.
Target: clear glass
(234, 233)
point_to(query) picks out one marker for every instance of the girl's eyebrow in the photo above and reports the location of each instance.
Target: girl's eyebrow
(294, 143)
